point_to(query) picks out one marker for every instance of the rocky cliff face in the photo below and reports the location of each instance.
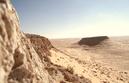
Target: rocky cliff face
(24, 59)
(42, 42)
(18, 60)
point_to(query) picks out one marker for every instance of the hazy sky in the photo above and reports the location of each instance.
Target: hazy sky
(74, 18)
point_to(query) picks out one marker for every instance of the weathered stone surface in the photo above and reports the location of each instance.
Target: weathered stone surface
(18, 60)
(24, 59)
(92, 41)
(40, 42)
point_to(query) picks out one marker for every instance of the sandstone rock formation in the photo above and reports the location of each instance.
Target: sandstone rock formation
(92, 41)
(24, 59)
(43, 43)
(18, 60)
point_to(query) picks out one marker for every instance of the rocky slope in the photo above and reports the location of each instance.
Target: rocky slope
(103, 63)
(60, 74)
(24, 59)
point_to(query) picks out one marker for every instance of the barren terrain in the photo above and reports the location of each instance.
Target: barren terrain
(104, 63)
(31, 58)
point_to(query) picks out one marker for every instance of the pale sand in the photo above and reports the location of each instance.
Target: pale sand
(106, 63)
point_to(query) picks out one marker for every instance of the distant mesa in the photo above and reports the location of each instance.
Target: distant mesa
(92, 41)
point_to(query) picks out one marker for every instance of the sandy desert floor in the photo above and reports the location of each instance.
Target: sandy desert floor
(104, 63)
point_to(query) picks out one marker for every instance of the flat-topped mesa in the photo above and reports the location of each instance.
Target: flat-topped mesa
(92, 41)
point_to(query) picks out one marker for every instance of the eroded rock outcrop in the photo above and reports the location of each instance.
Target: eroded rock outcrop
(18, 60)
(20, 57)
(92, 41)
(42, 42)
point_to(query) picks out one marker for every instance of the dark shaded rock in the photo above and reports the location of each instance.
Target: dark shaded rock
(92, 41)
